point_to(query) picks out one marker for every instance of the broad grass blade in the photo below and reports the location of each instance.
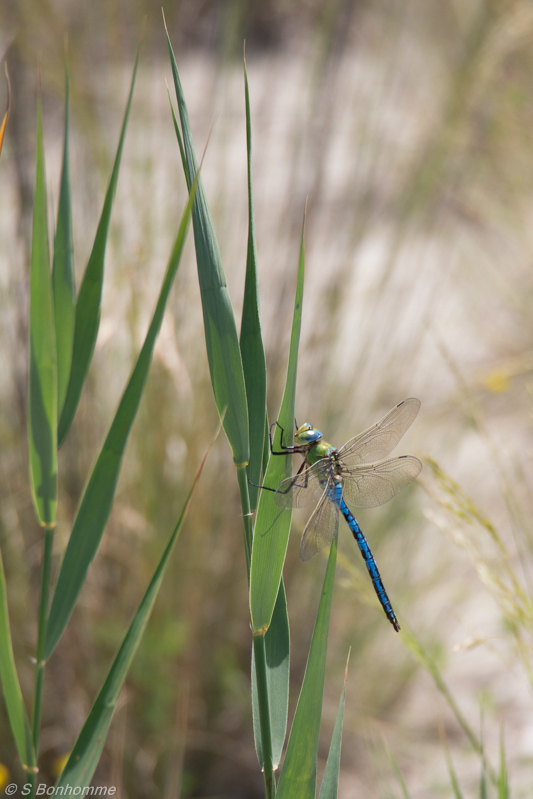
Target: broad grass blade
(221, 338)
(330, 781)
(8, 108)
(277, 647)
(86, 753)
(97, 499)
(42, 395)
(63, 273)
(16, 712)
(272, 526)
(298, 775)
(251, 340)
(87, 319)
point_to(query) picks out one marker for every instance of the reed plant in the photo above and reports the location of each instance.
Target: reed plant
(62, 331)
(63, 327)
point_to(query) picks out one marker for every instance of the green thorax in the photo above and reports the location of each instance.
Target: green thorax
(311, 440)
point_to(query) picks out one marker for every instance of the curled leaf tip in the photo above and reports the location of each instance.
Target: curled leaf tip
(347, 664)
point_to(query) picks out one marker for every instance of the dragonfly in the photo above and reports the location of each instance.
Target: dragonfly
(355, 475)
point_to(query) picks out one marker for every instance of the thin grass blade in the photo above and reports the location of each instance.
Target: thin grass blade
(86, 753)
(503, 781)
(453, 776)
(451, 770)
(397, 772)
(330, 781)
(251, 340)
(97, 499)
(277, 648)
(298, 775)
(221, 338)
(177, 131)
(483, 787)
(272, 527)
(431, 666)
(87, 319)
(8, 109)
(42, 394)
(63, 272)
(16, 712)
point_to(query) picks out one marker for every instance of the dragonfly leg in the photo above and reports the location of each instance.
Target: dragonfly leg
(285, 450)
(265, 488)
(371, 565)
(288, 451)
(289, 487)
(291, 481)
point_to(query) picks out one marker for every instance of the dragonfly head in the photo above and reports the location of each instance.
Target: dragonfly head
(306, 434)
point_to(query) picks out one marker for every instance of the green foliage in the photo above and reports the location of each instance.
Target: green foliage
(298, 776)
(223, 353)
(272, 526)
(97, 500)
(277, 650)
(85, 755)
(330, 781)
(42, 393)
(251, 340)
(98, 497)
(63, 271)
(87, 318)
(16, 711)
(270, 536)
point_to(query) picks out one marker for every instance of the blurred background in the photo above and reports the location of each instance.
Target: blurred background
(408, 127)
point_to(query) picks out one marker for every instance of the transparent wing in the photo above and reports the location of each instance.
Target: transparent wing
(376, 483)
(321, 528)
(379, 440)
(304, 488)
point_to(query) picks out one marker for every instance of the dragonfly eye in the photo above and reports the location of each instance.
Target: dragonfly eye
(306, 434)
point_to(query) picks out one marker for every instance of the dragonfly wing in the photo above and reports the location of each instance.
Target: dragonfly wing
(376, 483)
(379, 440)
(303, 488)
(321, 528)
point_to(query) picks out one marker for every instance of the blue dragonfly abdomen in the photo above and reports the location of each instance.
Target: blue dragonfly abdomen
(368, 557)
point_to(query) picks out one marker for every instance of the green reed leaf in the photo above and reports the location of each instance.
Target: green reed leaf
(16, 712)
(277, 651)
(63, 270)
(298, 775)
(42, 394)
(272, 527)
(97, 500)
(222, 344)
(251, 340)
(87, 319)
(86, 752)
(330, 781)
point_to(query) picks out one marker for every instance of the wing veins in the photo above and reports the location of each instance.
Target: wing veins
(379, 440)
